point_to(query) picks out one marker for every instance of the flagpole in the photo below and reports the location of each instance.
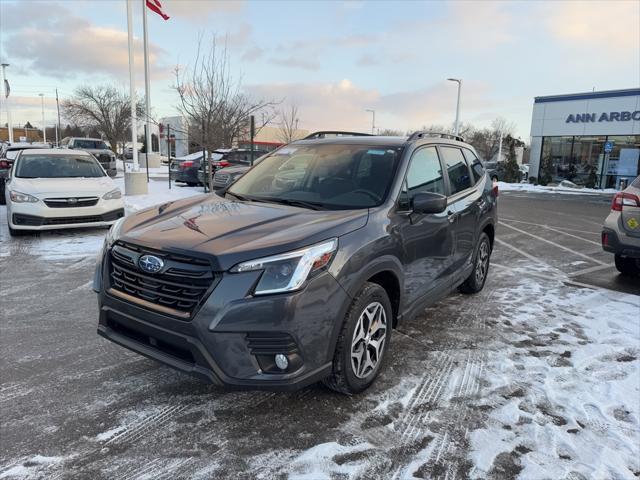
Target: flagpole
(6, 101)
(147, 88)
(132, 85)
(135, 181)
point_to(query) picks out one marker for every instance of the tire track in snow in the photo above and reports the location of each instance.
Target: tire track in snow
(144, 426)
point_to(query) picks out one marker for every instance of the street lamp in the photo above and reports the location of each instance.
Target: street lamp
(459, 82)
(373, 121)
(44, 127)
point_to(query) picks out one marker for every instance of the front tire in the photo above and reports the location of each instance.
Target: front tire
(627, 266)
(476, 280)
(363, 341)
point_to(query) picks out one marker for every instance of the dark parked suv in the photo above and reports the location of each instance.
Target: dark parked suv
(300, 271)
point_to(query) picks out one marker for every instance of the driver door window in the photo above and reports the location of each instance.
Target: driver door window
(424, 175)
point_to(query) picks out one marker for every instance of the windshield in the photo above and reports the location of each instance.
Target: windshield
(332, 176)
(57, 166)
(90, 144)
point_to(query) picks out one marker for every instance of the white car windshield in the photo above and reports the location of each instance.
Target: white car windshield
(57, 166)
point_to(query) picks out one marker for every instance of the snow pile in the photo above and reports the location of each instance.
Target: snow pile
(566, 188)
(159, 192)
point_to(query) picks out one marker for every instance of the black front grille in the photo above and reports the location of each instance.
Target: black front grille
(178, 288)
(271, 343)
(71, 202)
(35, 221)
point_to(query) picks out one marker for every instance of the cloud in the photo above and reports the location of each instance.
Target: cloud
(201, 10)
(295, 62)
(252, 53)
(61, 45)
(367, 60)
(613, 25)
(343, 105)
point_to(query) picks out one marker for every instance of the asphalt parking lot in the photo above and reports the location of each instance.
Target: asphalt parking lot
(76, 406)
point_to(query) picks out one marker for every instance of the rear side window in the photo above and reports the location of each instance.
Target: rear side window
(477, 170)
(424, 175)
(457, 169)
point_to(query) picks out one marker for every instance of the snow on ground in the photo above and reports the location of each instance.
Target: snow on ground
(77, 243)
(570, 409)
(528, 187)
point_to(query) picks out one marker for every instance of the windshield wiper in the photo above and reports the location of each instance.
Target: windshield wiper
(295, 203)
(239, 197)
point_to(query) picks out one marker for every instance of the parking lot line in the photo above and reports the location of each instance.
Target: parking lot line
(537, 237)
(563, 233)
(588, 270)
(521, 252)
(513, 220)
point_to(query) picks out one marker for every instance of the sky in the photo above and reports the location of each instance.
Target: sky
(333, 59)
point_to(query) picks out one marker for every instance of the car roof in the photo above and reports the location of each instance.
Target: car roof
(387, 141)
(87, 138)
(59, 151)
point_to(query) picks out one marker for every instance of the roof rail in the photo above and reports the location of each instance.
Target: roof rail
(423, 134)
(337, 133)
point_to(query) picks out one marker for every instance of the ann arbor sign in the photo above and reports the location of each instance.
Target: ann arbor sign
(603, 117)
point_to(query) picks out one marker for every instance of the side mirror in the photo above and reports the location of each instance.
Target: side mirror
(429, 203)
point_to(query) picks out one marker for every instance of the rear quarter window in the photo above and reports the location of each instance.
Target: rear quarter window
(477, 170)
(457, 169)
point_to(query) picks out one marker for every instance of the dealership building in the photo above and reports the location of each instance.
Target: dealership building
(588, 138)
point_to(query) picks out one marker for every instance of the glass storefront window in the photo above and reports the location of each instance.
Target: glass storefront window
(583, 161)
(623, 163)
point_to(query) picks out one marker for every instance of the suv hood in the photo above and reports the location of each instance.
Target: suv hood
(64, 187)
(229, 232)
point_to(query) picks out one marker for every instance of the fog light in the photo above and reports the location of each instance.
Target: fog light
(282, 362)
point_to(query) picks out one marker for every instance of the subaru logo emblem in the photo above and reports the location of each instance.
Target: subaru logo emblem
(72, 200)
(150, 263)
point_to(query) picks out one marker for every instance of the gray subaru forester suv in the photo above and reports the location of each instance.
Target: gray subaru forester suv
(300, 271)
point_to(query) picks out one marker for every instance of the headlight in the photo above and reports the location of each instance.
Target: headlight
(288, 271)
(18, 197)
(113, 194)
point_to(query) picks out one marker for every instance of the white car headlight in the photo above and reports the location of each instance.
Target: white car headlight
(113, 194)
(288, 271)
(18, 197)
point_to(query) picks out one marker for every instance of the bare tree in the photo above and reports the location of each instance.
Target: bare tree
(104, 108)
(217, 109)
(288, 130)
(390, 132)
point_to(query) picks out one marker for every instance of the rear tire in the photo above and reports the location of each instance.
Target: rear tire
(628, 266)
(192, 184)
(3, 200)
(356, 361)
(476, 280)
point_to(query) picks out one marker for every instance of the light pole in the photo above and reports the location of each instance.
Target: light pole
(373, 121)
(459, 82)
(6, 101)
(44, 127)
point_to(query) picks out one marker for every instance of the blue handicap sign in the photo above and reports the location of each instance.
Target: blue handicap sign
(608, 147)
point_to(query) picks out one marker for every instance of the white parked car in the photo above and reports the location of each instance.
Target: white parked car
(57, 188)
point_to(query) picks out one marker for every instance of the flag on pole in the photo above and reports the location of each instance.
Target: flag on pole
(7, 88)
(156, 6)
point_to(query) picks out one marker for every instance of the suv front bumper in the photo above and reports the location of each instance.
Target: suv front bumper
(233, 337)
